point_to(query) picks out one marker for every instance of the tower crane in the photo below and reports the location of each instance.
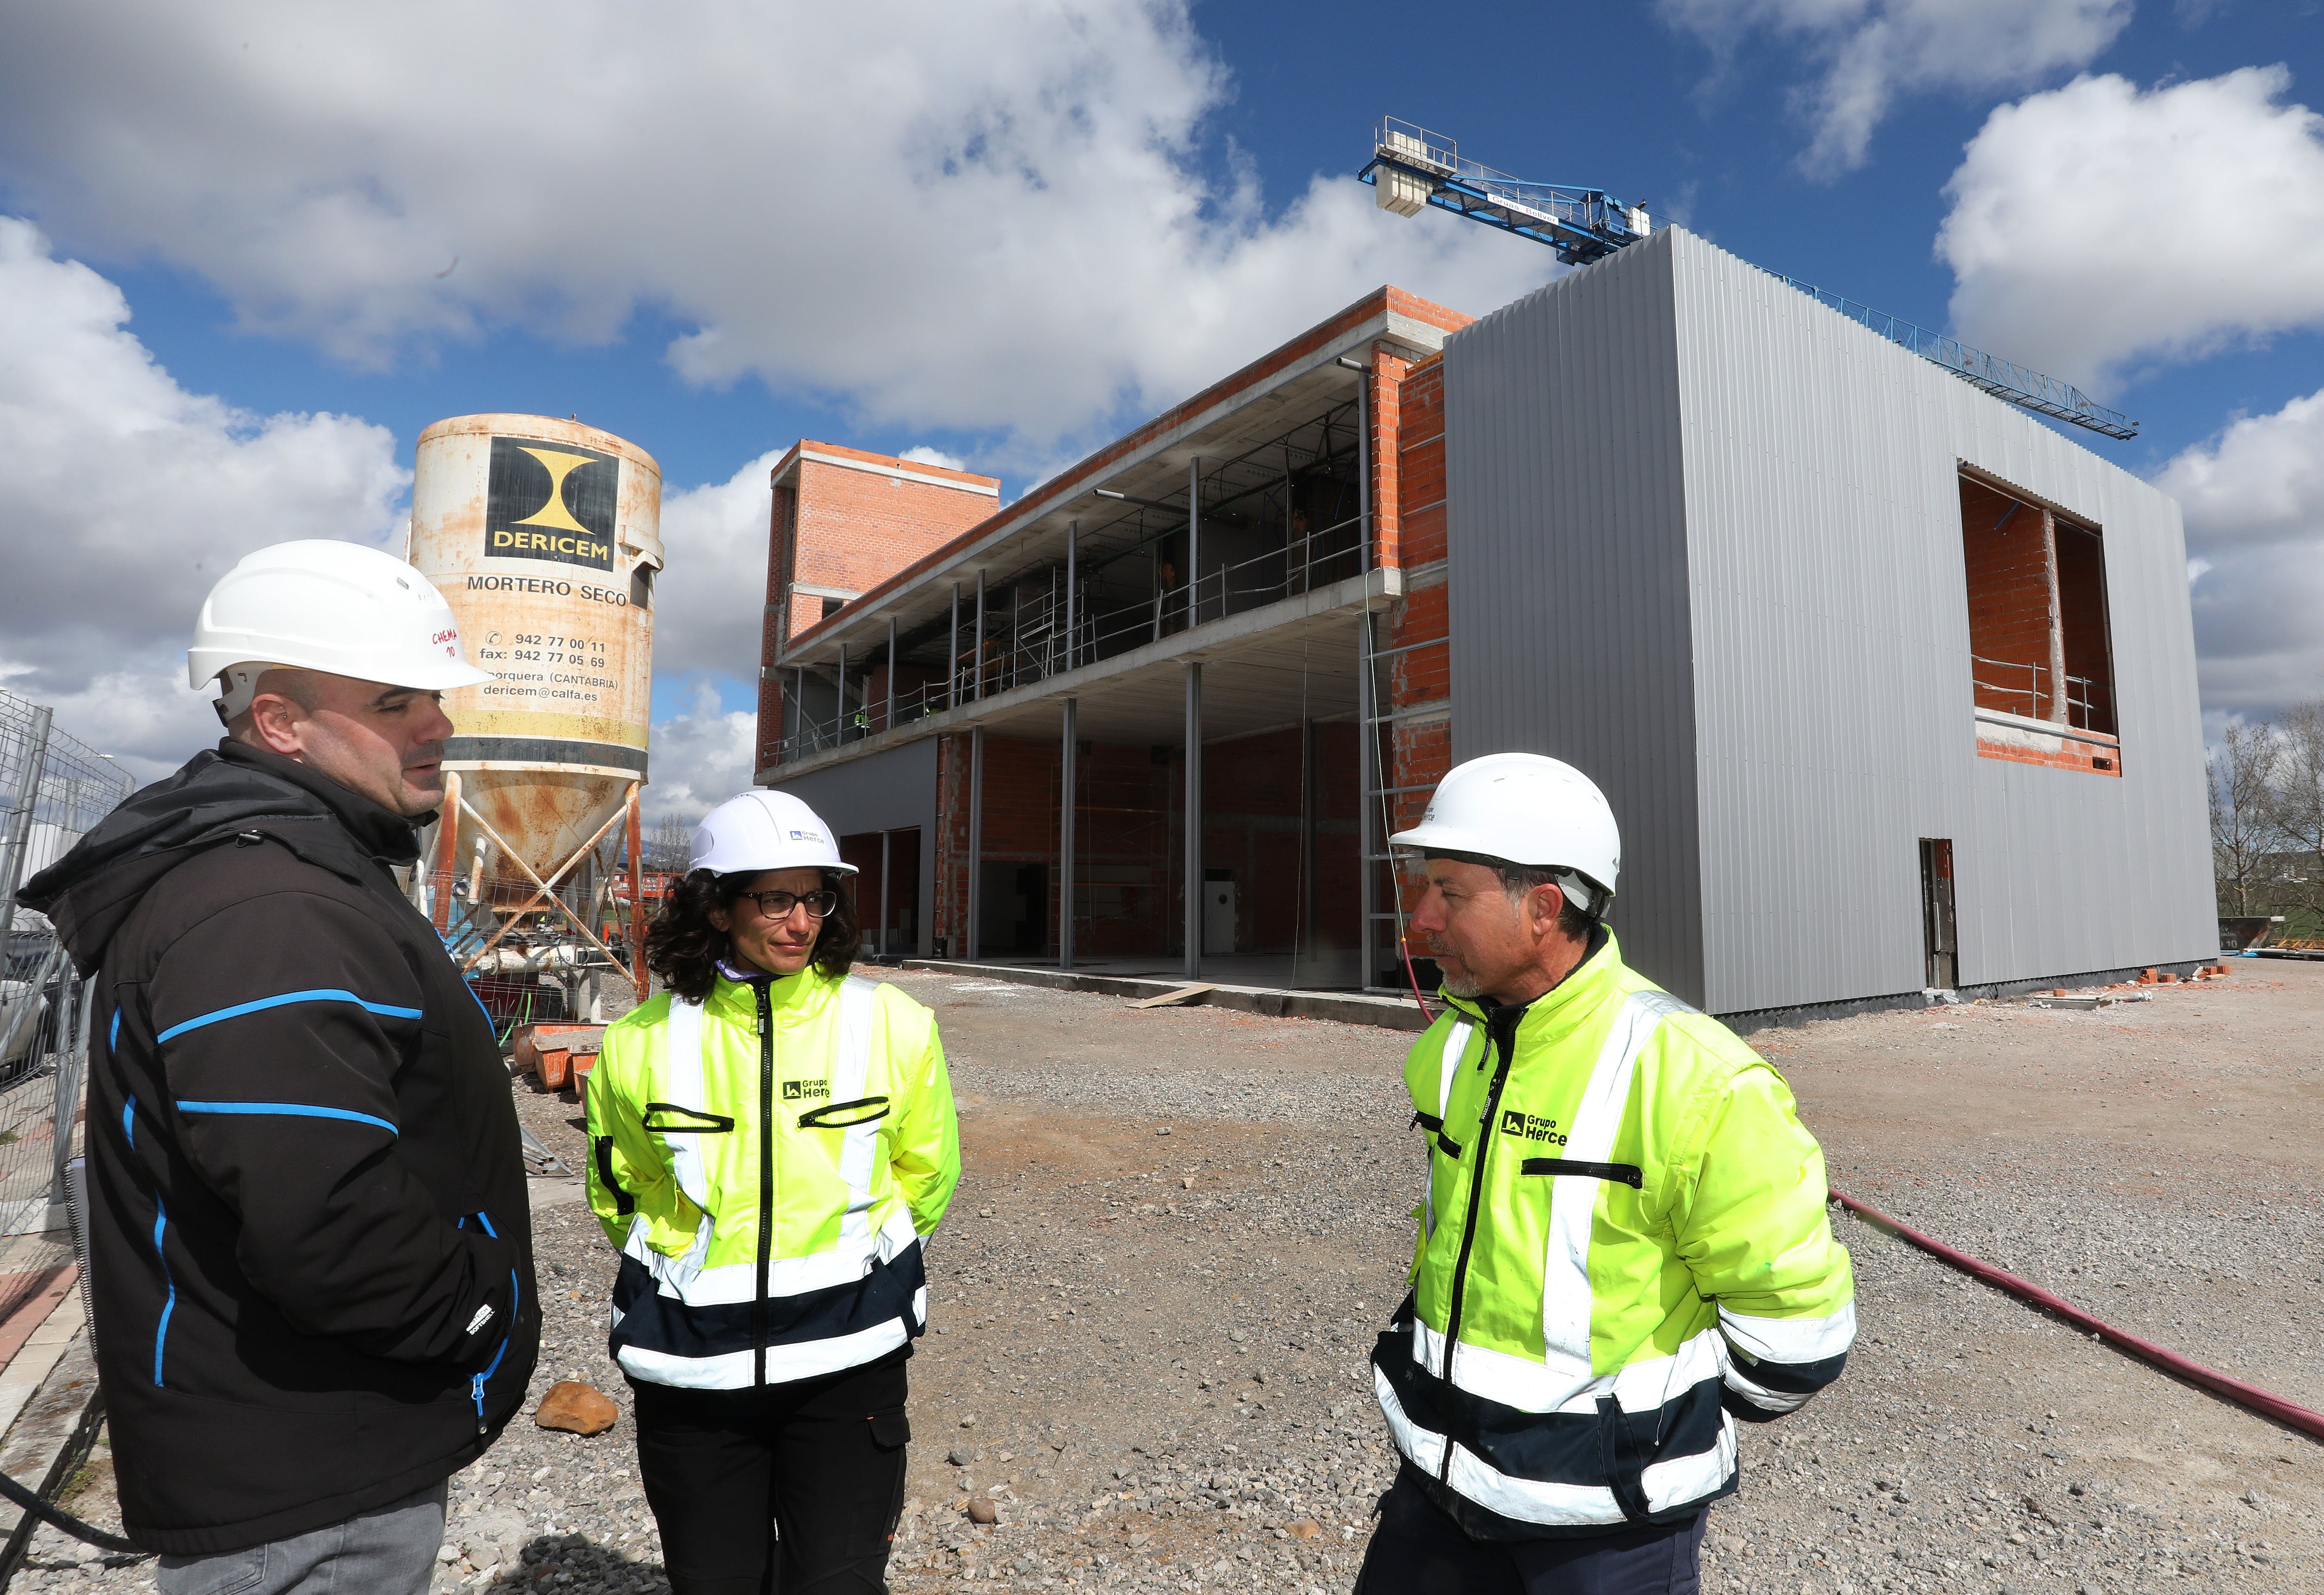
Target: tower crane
(1412, 169)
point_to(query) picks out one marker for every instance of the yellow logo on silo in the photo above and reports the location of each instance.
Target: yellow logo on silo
(550, 500)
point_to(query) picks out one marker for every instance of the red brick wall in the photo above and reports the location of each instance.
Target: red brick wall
(2009, 599)
(2082, 605)
(830, 525)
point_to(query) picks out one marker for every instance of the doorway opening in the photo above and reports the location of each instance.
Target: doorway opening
(1015, 910)
(1938, 933)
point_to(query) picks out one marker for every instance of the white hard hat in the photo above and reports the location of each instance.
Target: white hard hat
(763, 830)
(317, 605)
(1525, 809)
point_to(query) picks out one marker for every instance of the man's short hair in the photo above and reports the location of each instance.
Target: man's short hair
(1517, 879)
(302, 687)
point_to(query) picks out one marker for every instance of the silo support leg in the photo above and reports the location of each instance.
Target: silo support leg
(546, 890)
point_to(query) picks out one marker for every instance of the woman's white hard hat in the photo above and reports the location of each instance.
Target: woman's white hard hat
(763, 830)
(1523, 808)
(315, 605)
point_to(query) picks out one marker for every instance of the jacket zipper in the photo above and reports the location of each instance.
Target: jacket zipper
(477, 1381)
(1476, 1203)
(766, 1178)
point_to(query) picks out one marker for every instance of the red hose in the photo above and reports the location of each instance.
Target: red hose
(2260, 1401)
(1412, 976)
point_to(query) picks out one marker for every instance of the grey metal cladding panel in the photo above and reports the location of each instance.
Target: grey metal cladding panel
(1833, 700)
(1567, 583)
(885, 792)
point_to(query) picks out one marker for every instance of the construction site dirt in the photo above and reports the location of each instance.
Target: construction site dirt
(1181, 1230)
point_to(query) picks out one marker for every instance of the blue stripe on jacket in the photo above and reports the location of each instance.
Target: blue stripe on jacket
(291, 1110)
(326, 994)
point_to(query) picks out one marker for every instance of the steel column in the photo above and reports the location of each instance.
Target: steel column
(1367, 734)
(2058, 691)
(1193, 541)
(978, 691)
(1073, 541)
(840, 735)
(1068, 757)
(887, 840)
(974, 941)
(952, 655)
(1194, 821)
(891, 724)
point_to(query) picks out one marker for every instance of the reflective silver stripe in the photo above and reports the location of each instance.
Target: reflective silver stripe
(737, 1370)
(849, 1257)
(1760, 1396)
(730, 1283)
(1530, 1386)
(1672, 1482)
(1676, 1480)
(1566, 1299)
(682, 1069)
(850, 1070)
(1456, 1043)
(1789, 1340)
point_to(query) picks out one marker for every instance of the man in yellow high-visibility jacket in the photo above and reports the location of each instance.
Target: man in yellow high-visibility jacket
(1623, 1245)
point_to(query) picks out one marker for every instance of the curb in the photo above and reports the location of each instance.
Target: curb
(1348, 1007)
(53, 1435)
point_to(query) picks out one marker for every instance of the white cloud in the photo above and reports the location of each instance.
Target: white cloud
(2254, 497)
(1872, 52)
(990, 219)
(932, 456)
(710, 602)
(125, 497)
(2101, 224)
(701, 758)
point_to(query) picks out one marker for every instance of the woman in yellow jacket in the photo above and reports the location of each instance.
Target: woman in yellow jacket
(771, 1142)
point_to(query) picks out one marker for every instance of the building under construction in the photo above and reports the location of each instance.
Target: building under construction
(1891, 686)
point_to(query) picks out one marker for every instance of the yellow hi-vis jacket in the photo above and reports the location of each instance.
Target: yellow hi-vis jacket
(769, 1161)
(1623, 1243)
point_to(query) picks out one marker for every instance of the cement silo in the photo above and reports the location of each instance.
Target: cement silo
(545, 538)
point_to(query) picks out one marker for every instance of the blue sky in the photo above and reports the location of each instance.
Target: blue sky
(1005, 234)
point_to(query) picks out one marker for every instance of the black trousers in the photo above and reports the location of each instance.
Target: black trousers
(821, 1460)
(1418, 1549)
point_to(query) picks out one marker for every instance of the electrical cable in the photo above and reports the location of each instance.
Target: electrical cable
(57, 1518)
(2265, 1403)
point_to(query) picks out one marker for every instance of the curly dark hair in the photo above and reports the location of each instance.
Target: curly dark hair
(683, 947)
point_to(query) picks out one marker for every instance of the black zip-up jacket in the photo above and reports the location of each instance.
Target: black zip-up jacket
(311, 1245)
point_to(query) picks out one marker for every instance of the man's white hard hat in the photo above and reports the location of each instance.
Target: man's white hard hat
(317, 605)
(1523, 808)
(763, 830)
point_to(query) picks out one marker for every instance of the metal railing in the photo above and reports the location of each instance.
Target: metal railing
(1110, 615)
(55, 788)
(2004, 378)
(2081, 708)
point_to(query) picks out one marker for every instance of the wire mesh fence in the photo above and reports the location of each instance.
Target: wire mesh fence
(55, 788)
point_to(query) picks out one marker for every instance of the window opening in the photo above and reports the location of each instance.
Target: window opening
(2041, 658)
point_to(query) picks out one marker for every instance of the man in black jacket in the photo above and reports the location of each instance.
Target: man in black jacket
(310, 1243)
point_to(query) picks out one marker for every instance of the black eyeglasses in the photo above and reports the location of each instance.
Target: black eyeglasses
(778, 905)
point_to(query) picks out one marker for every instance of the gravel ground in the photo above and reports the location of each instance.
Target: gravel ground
(1180, 1230)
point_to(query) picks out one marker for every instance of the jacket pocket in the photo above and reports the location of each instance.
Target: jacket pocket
(477, 1381)
(1627, 1174)
(845, 1115)
(669, 1118)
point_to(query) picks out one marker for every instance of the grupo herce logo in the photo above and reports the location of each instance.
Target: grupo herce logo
(550, 500)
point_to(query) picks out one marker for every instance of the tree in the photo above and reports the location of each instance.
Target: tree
(2244, 803)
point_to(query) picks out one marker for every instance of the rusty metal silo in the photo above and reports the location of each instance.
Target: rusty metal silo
(545, 538)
